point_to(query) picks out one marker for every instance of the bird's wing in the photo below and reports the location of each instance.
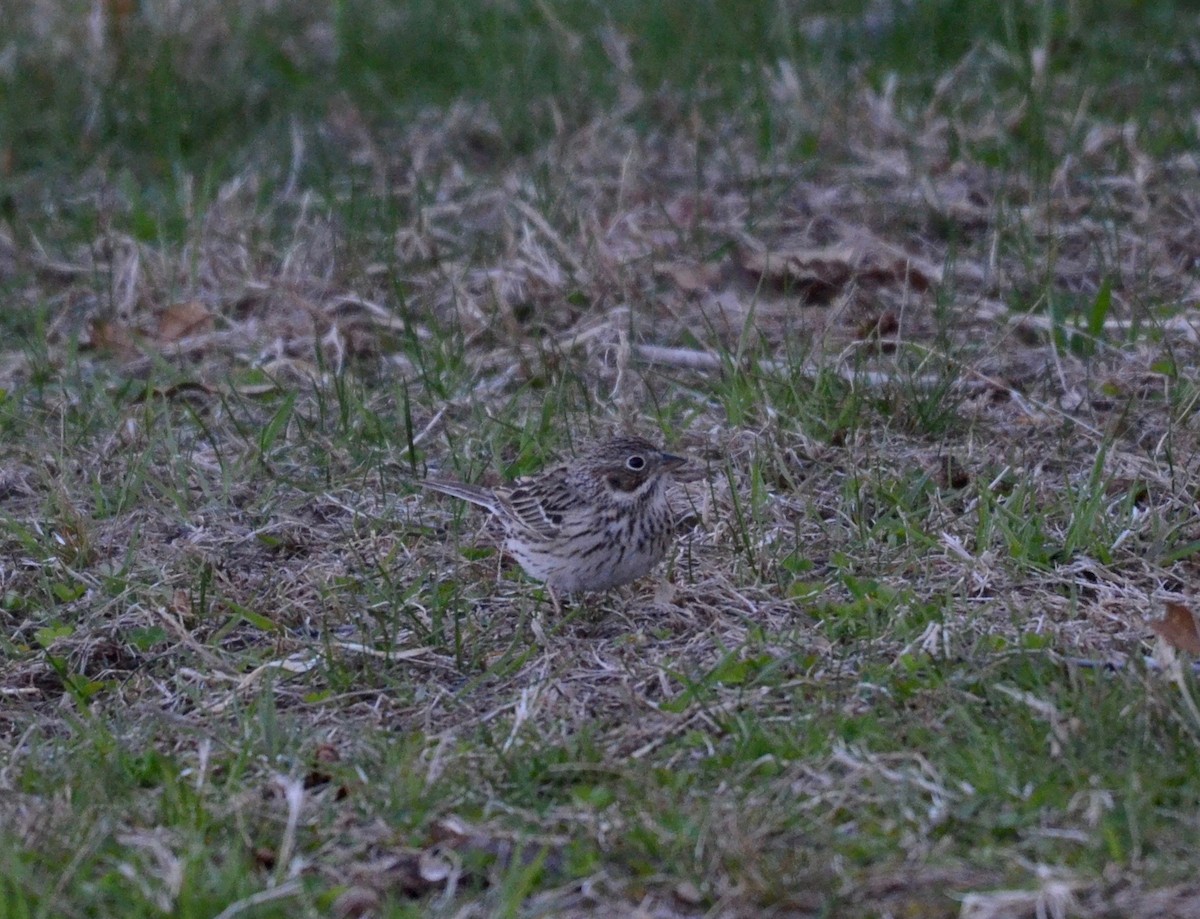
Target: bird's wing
(542, 503)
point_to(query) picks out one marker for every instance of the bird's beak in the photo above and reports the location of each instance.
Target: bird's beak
(671, 461)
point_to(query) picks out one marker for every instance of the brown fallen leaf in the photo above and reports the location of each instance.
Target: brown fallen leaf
(1178, 628)
(816, 273)
(112, 338)
(183, 319)
(820, 272)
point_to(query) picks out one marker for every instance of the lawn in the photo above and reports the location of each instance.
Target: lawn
(913, 283)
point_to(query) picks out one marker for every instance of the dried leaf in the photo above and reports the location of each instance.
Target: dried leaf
(183, 319)
(822, 271)
(817, 273)
(110, 337)
(1178, 628)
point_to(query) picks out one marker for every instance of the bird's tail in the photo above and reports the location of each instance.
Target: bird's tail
(472, 493)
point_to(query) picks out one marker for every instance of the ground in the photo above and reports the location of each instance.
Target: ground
(913, 286)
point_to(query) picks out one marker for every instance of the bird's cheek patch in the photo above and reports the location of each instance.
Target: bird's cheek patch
(625, 481)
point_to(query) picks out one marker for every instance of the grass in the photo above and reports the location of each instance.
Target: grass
(910, 282)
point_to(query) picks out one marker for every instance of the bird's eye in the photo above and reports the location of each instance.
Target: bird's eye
(636, 463)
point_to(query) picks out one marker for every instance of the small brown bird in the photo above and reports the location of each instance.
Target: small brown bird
(592, 523)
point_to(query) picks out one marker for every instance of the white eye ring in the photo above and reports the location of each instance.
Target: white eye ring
(636, 463)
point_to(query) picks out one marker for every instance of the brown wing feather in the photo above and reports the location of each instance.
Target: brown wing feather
(542, 503)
